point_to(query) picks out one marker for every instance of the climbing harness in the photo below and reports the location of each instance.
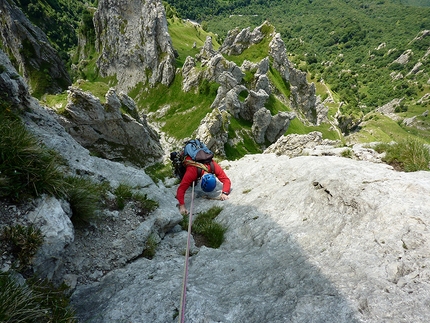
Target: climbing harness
(187, 255)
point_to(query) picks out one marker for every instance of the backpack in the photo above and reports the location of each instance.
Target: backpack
(200, 155)
(198, 151)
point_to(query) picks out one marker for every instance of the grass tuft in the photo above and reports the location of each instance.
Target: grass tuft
(409, 154)
(146, 204)
(347, 153)
(84, 197)
(27, 168)
(205, 229)
(150, 247)
(24, 242)
(34, 301)
(159, 171)
(123, 194)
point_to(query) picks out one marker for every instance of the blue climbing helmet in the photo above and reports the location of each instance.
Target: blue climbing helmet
(208, 182)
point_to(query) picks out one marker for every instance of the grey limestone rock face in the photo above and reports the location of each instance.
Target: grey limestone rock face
(132, 39)
(105, 129)
(389, 108)
(294, 145)
(232, 102)
(416, 69)
(253, 102)
(279, 125)
(309, 239)
(312, 144)
(303, 96)
(424, 99)
(404, 57)
(207, 52)
(278, 52)
(263, 83)
(213, 130)
(216, 69)
(261, 121)
(230, 95)
(191, 76)
(66, 255)
(51, 218)
(268, 127)
(13, 88)
(238, 40)
(218, 65)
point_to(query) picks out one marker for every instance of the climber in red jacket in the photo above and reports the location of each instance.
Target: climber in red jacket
(208, 182)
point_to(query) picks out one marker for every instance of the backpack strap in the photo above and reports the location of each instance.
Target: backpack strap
(199, 170)
(200, 167)
(212, 167)
(188, 162)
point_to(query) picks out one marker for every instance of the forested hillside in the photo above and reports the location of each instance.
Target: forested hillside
(351, 45)
(61, 20)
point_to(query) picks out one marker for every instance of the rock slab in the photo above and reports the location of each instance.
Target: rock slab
(309, 239)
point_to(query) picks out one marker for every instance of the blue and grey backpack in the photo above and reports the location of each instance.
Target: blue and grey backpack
(199, 153)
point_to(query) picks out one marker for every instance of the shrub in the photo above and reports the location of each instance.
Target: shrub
(401, 108)
(26, 167)
(34, 301)
(84, 197)
(205, 229)
(409, 155)
(24, 241)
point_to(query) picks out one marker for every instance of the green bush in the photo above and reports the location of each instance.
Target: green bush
(408, 155)
(35, 301)
(24, 242)
(84, 197)
(27, 168)
(206, 229)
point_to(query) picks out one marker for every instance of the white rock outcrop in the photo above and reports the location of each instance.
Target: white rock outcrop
(53, 219)
(238, 40)
(105, 129)
(309, 239)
